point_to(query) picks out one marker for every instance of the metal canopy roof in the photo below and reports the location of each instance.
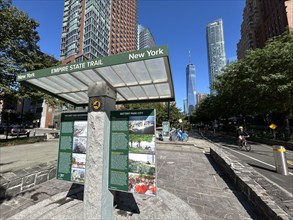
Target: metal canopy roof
(143, 75)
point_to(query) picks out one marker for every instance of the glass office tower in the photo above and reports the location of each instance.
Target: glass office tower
(190, 88)
(216, 49)
(145, 38)
(185, 107)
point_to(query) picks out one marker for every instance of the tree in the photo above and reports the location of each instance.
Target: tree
(161, 111)
(272, 71)
(262, 83)
(19, 52)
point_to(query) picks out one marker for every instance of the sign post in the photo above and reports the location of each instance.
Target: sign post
(143, 75)
(273, 127)
(98, 200)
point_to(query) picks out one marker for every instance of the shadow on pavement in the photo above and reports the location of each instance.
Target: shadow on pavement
(76, 191)
(2, 164)
(263, 168)
(126, 203)
(3, 196)
(246, 204)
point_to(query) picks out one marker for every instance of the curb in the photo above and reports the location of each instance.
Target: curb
(245, 178)
(14, 183)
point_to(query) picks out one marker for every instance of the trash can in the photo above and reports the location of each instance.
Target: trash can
(280, 160)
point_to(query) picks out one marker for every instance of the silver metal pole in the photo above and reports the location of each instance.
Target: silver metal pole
(280, 160)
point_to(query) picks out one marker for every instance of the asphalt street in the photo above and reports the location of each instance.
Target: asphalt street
(261, 158)
(27, 155)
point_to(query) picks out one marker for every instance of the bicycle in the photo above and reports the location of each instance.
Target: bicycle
(243, 143)
(184, 137)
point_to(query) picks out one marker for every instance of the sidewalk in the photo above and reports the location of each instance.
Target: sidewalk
(190, 186)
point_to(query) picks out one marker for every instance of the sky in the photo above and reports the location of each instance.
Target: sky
(179, 24)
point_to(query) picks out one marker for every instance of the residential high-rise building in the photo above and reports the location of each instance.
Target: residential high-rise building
(190, 88)
(263, 20)
(97, 28)
(123, 26)
(200, 97)
(145, 38)
(216, 49)
(85, 30)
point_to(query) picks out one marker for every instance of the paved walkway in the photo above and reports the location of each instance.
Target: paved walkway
(190, 186)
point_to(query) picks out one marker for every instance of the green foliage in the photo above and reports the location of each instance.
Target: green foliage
(262, 83)
(22, 140)
(161, 111)
(137, 150)
(140, 137)
(209, 110)
(19, 52)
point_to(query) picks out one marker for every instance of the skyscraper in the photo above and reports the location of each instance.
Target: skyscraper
(200, 97)
(190, 88)
(87, 25)
(216, 49)
(123, 26)
(263, 20)
(145, 38)
(185, 112)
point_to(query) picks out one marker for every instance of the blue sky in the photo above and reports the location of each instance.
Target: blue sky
(179, 24)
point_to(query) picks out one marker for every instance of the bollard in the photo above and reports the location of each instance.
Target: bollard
(280, 160)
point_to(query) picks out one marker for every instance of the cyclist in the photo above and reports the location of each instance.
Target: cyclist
(241, 135)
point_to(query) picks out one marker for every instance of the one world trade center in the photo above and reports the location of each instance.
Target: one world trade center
(190, 88)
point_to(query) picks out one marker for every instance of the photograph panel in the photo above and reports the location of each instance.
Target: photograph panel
(142, 184)
(79, 145)
(77, 175)
(141, 124)
(78, 160)
(80, 129)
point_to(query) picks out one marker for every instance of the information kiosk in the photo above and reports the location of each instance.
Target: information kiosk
(88, 150)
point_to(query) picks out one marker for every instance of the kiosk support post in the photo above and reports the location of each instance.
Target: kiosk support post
(98, 200)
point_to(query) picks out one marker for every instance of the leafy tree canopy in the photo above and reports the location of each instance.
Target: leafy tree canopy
(161, 111)
(261, 83)
(19, 51)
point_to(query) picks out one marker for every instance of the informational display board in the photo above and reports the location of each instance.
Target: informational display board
(72, 147)
(166, 128)
(132, 151)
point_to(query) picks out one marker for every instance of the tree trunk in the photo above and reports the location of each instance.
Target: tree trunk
(287, 126)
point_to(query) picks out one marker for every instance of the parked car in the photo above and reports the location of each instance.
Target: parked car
(19, 130)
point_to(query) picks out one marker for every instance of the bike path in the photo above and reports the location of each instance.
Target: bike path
(261, 159)
(190, 186)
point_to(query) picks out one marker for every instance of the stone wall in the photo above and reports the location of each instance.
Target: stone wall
(254, 186)
(14, 183)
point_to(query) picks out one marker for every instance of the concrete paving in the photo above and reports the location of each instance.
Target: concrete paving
(190, 186)
(14, 158)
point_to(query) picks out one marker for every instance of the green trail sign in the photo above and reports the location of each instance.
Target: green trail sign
(123, 58)
(132, 151)
(72, 147)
